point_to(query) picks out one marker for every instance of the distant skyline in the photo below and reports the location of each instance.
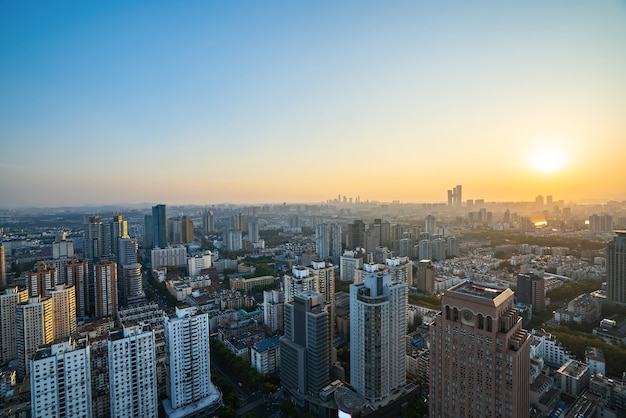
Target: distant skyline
(252, 102)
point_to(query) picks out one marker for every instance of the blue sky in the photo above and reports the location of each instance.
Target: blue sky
(205, 102)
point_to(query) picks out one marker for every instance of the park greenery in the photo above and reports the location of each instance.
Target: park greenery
(570, 290)
(576, 245)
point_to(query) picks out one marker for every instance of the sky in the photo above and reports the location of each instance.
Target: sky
(281, 101)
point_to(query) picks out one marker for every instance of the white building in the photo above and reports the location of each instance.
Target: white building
(197, 263)
(378, 324)
(273, 309)
(188, 365)
(132, 373)
(265, 356)
(9, 299)
(60, 383)
(348, 263)
(400, 269)
(171, 256)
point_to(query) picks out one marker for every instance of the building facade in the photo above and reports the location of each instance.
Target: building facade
(616, 269)
(479, 355)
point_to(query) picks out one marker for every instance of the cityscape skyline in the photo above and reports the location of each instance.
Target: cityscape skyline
(241, 103)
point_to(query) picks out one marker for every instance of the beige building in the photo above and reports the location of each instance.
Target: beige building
(9, 299)
(34, 324)
(479, 355)
(64, 311)
(105, 274)
(40, 280)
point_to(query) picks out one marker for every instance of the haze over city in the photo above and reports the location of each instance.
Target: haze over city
(277, 101)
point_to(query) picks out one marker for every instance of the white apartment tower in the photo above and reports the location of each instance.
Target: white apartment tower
(400, 269)
(64, 311)
(60, 382)
(273, 309)
(132, 373)
(105, 275)
(34, 324)
(378, 324)
(9, 299)
(188, 365)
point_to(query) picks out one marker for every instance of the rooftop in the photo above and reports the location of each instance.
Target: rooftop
(471, 288)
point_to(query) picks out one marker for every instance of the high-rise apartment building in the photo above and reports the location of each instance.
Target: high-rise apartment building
(187, 229)
(9, 299)
(479, 355)
(40, 280)
(378, 323)
(429, 224)
(159, 225)
(188, 365)
(273, 309)
(76, 273)
(105, 292)
(64, 311)
(616, 269)
(132, 373)
(130, 285)
(531, 290)
(3, 267)
(60, 381)
(34, 324)
(328, 241)
(118, 229)
(400, 269)
(208, 222)
(455, 197)
(93, 238)
(148, 232)
(305, 347)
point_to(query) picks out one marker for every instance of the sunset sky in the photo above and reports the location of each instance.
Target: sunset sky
(266, 101)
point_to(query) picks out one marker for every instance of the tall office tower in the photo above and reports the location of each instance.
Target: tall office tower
(3, 267)
(406, 247)
(429, 224)
(507, 217)
(187, 230)
(188, 365)
(175, 230)
(40, 280)
(458, 196)
(127, 251)
(450, 199)
(64, 311)
(118, 229)
(616, 269)
(322, 241)
(148, 232)
(531, 291)
(159, 226)
(385, 233)
(76, 273)
(378, 324)
(273, 309)
(34, 324)
(130, 285)
(93, 238)
(60, 381)
(9, 299)
(479, 355)
(539, 201)
(400, 269)
(425, 277)
(132, 373)
(208, 222)
(105, 292)
(305, 347)
(253, 229)
(372, 237)
(356, 235)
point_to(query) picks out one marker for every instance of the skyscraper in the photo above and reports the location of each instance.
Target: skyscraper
(356, 235)
(105, 274)
(425, 277)
(148, 234)
(159, 224)
(76, 273)
(378, 323)
(188, 365)
(305, 347)
(118, 229)
(616, 269)
(60, 381)
(208, 222)
(40, 280)
(3, 267)
(429, 224)
(9, 299)
(479, 355)
(93, 236)
(64, 311)
(132, 373)
(34, 323)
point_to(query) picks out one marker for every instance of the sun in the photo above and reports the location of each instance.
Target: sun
(548, 159)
